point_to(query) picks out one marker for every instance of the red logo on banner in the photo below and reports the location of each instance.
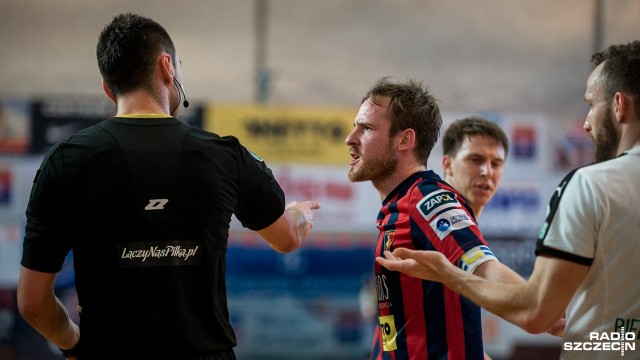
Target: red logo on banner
(5, 186)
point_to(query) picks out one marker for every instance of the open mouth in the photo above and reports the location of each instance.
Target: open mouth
(354, 157)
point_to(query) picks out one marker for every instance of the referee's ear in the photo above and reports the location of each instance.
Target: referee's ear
(107, 91)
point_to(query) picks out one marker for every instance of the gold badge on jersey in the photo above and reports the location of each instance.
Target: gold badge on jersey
(389, 333)
(389, 236)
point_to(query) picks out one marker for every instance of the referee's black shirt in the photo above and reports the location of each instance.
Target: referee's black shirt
(145, 204)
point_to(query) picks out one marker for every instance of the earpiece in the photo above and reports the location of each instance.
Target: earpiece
(181, 94)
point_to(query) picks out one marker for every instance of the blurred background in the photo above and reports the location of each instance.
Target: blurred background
(286, 77)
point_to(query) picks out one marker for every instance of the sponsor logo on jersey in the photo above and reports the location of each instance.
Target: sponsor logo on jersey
(159, 253)
(382, 288)
(156, 204)
(436, 202)
(450, 220)
(560, 188)
(389, 332)
(543, 230)
(388, 238)
(255, 156)
(443, 224)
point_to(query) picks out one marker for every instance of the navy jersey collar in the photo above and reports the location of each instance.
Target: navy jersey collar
(404, 186)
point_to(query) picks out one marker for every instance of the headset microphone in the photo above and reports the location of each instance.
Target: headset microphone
(185, 103)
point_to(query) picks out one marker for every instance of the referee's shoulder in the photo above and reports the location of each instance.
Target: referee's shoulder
(199, 135)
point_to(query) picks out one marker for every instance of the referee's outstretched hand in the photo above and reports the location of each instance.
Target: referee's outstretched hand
(305, 223)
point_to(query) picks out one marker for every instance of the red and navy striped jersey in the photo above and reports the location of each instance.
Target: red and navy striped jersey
(422, 319)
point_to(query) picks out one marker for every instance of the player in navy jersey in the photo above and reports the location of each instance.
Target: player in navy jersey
(474, 152)
(145, 201)
(590, 233)
(394, 132)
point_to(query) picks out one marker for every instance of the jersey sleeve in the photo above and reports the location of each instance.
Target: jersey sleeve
(261, 200)
(446, 221)
(569, 231)
(45, 246)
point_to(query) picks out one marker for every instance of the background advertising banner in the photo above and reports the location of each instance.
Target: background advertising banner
(16, 177)
(286, 134)
(15, 122)
(518, 208)
(530, 150)
(309, 304)
(56, 118)
(345, 206)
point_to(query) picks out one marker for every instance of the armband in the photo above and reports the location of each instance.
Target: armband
(470, 260)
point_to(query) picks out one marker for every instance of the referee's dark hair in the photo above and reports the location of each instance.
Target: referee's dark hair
(127, 49)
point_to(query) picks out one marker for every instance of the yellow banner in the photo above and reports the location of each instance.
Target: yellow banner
(286, 134)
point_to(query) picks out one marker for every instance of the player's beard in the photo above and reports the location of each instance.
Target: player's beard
(375, 168)
(607, 140)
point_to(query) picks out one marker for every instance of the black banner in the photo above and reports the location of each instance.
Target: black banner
(56, 118)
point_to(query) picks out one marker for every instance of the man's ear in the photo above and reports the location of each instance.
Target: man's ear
(407, 139)
(622, 105)
(108, 91)
(166, 66)
(446, 165)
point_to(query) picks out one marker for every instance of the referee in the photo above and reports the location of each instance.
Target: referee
(144, 201)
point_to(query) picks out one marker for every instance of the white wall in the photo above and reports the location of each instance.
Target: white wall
(475, 55)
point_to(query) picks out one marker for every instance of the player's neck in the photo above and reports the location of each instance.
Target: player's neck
(476, 211)
(386, 185)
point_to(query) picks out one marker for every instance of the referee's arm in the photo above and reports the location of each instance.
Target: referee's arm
(286, 233)
(40, 307)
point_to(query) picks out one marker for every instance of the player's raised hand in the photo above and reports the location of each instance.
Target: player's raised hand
(426, 265)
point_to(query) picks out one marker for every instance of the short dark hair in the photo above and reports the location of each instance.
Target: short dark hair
(410, 106)
(127, 49)
(621, 71)
(473, 125)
